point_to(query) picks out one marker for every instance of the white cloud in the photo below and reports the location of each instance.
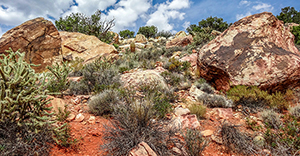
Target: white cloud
(251, 8)
(240, 16)
(263, 7)
(166, 11)
(1, 33)
(247, 3)
(127, 12)
(186, 24)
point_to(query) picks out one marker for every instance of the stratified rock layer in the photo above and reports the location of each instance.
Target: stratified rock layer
(256, 50)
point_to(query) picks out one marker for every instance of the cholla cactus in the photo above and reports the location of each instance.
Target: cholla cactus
(22, 101)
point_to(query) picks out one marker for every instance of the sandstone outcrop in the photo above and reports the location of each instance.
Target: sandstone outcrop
(38, 38)
(180, 41)
(85, 47)
(140, 38)
(256, 50)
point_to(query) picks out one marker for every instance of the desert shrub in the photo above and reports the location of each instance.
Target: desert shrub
(194, 142)
(214, 23)
(271, 119)
(24, 106)
(79, 22)
(289, 15)
(236, 141)
(175, 65)
(97, 76)
(296, 33)
(201, 38)
(77, 66)
(165, 34)
(58, 81)
(126, 33)
(199, 109)
(133, 123)
(295, 111)
(148, 31)
(169, 52)
(212, 100)
(24, 141)
(205, 87)
(79, 88)
(104, 102)
(172, 78)
(254, 98)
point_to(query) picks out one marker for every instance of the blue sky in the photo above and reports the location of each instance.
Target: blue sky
(168, 15)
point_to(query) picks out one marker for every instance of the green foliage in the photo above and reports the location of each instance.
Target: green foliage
(22, 101)
(289, 15)
(58, 81)
(205, 87)
(62, 115)
(202, 37)
(194, 142)
(286, 140)
(97, 76)
(198, 109)
(175, 65)
(252, 97)
(126, 33)
(148, 31)
(165, 34)
(78, 22)
(103, 103)
(212, 100)
(296, 33)
(214, 23)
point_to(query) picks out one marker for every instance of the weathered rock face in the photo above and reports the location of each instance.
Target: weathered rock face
(180, 34)
(38, 38)
(142, 149)
(84, 46)
(140, 38)
(115, 38)
(256, 50)
(181, 41)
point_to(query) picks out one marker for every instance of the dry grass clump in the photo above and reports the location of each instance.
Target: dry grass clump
(194, 142)
(271, 118)
(199, 109)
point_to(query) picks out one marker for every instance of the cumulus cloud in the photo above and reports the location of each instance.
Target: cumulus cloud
(18, 11)
(186, 24)
(1, 33)
(166, 11)
(127, 12)
(251, 8)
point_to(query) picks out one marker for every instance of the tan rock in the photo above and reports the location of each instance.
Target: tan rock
(142, 149)
(92, 120)
(179, 111)
(256, 50)
(57, 103)
(140, 38)
(71, 117)
(84, 46)
(180, 34)
(116, 37)
(181, 42)
(206, 133)
(79, 117)
(38, 38)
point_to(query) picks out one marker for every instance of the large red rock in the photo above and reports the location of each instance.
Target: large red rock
(256, 50)
(38, 38)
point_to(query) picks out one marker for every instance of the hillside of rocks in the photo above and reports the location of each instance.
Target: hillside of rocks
(235, 95)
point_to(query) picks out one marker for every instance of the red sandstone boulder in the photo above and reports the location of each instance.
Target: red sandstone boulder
(38, 38)
(256, 50)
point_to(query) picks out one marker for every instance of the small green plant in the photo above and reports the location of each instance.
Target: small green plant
(252, 124)
(194, 142)
(58, 81)
(62, 115)
(199, 109)
(212, 100)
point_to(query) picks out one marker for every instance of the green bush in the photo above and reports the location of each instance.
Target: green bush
(212, 100)
(289, 15)
(198, 109)
(201, 38)
(214, 23)
(126, 33)
(58, 81)
(78, 22)
(148, 31)
(296, 33)
(252, 97)
(103, 103)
